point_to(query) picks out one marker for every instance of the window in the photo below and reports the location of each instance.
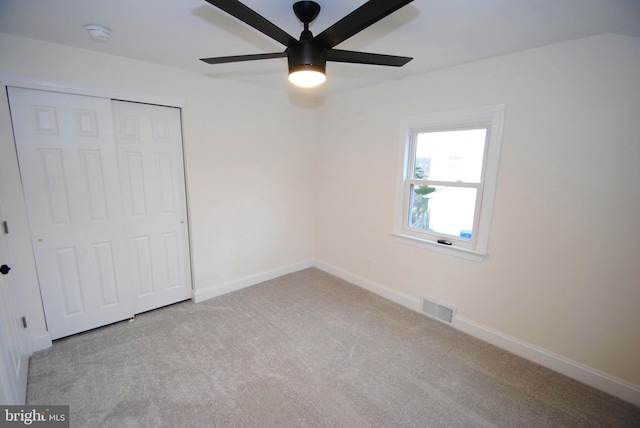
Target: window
(448, 174)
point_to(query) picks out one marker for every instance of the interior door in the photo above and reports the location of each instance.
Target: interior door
(149, 139)
(69, 167)
(14, 352)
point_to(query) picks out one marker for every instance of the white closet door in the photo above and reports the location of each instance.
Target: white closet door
(149, 140)
(69, 167)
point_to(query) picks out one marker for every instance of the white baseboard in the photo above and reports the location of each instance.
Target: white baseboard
(587, 375)
(235, 285)
(379, 289)
(40, 341)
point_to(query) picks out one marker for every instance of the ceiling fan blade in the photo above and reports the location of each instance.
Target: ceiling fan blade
(361, 18)
(253, 19)
(240, 58)
(366, 58)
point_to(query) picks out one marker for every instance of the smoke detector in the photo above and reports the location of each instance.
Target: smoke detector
(98, 33)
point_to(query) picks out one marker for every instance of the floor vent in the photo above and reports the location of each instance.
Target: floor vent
(438, 311)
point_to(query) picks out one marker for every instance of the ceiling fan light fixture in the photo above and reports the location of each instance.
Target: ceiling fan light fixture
(307, 76)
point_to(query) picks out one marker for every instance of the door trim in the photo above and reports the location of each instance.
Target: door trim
(31, 82)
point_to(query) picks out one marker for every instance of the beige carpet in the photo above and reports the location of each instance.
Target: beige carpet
(305, 350)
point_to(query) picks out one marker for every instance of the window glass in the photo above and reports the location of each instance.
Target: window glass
(450, 155)
(443, 210)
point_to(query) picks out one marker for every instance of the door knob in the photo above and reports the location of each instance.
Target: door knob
(4, 269)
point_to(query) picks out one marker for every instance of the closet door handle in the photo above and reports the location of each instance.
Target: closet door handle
(4, 269)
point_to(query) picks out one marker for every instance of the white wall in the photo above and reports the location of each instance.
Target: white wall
(563, 272)
(248, 171)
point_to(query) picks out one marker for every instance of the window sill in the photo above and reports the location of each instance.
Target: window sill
(451, 250)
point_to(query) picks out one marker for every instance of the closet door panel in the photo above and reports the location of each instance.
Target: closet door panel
(70, 174)
(149, 140)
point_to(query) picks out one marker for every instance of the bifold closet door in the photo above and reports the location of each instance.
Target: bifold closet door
(104, 186)
(69, 168)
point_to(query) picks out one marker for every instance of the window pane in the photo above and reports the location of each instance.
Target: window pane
(450, 155)
(442, 209)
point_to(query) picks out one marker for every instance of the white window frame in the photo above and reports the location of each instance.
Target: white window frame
(491, 118)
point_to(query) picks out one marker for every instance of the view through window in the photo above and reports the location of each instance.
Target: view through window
(446, 181)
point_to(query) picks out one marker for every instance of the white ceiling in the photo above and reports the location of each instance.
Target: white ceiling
(436, 33)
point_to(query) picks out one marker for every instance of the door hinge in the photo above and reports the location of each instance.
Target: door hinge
(24, 322)
(5, 227)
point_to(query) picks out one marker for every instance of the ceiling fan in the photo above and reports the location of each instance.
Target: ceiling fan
(308, 56)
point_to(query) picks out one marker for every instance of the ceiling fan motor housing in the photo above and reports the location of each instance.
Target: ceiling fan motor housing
(305, 54)
(308, 56)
